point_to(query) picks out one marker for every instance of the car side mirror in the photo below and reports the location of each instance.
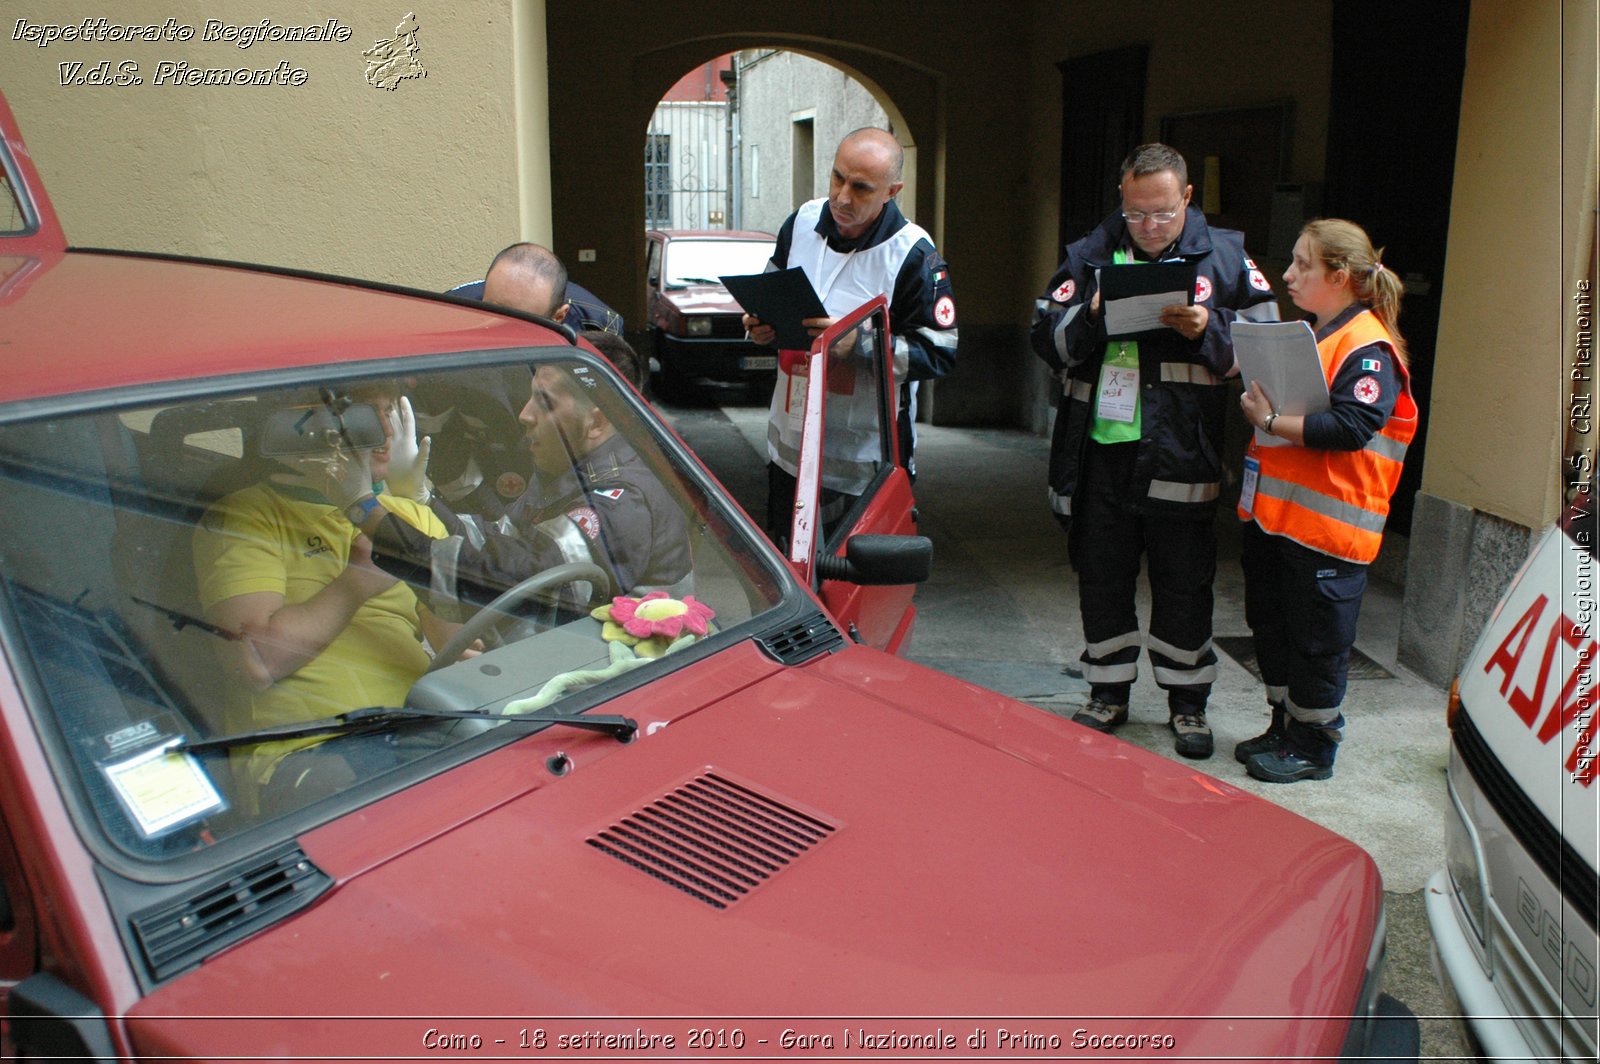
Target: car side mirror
(880, 561)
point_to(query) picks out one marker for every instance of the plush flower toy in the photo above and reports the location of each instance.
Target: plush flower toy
(638, 629)
(653, 623)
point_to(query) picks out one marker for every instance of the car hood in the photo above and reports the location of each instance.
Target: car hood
(902, 870)
(701, 299)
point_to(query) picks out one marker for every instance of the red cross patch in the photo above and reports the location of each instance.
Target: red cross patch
(1258, 280)
(1368, 390)
(1064, 293)
(944, 311)
(586, 519)
(510, 485)
(1202, 289)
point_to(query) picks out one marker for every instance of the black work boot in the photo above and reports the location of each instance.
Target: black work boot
(1306, 753)
(1191, 734)
(1101, 715)
(1267, 741)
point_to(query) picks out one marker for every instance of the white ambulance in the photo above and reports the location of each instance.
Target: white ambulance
(1513, 911)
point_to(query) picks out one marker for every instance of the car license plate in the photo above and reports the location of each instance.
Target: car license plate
(758, 362)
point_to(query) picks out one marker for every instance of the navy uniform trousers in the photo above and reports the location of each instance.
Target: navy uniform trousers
(1109, 537)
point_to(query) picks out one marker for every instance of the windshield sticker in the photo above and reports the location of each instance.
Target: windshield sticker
(163, 790)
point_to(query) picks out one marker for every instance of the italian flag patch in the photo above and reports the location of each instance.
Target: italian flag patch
(1371, 365)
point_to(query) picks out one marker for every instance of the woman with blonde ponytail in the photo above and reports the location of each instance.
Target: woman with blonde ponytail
(1315, 501)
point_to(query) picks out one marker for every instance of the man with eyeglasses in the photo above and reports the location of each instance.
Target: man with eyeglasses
(1136, 456)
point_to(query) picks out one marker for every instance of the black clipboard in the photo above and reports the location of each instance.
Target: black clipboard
(1138, 283)
(781, 299)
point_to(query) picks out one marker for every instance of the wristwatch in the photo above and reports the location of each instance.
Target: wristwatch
(1266, 426)
(359, 511)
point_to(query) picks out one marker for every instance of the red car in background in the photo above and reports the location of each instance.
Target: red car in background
(763, 833)
(697, 328)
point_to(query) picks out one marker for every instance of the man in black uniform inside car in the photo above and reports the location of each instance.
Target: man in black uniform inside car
(592, 499)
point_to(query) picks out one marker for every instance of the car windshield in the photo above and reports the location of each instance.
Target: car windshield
(184, 571)
(691, 261)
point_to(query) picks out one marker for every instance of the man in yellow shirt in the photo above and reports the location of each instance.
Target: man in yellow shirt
(321, 630)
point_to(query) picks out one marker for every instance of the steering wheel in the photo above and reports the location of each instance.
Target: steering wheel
(500, 609)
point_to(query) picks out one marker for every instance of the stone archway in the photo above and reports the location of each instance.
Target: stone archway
(742, 140)
(600, 107)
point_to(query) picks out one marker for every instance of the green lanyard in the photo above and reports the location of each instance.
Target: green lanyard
(1119, 372)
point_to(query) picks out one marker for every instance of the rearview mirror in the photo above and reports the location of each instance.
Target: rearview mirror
(317, 429)
(880, 561)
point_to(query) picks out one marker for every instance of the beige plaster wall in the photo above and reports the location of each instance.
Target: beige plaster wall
(1499, 387)
(416, 185)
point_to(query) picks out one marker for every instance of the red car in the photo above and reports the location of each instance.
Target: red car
(697, 327)
(670, 794)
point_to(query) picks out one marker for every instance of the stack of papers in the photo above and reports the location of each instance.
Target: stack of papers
(1132, 295)
(1282, 356)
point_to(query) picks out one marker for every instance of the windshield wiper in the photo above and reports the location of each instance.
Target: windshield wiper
(382, 718)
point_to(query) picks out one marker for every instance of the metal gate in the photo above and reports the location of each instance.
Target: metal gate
(686, 166)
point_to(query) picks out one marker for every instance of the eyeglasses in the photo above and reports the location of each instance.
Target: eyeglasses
(1159, 217)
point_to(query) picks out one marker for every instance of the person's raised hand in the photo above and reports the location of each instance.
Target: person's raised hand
(408, 456)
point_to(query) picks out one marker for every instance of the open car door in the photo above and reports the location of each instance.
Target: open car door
(31, 239)
(28, 224)
(865, 561)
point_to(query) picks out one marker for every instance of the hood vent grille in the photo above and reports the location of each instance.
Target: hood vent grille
(802, 641)
(222, 911)
(713, 839)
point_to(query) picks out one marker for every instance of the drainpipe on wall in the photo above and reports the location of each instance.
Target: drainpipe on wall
(735, 214)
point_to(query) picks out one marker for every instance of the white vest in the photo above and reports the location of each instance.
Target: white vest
(852, 447)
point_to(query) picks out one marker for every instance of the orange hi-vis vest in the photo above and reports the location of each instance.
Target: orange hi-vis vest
(1336, 502)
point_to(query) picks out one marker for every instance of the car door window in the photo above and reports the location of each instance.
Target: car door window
(857, 422)
(847, 468)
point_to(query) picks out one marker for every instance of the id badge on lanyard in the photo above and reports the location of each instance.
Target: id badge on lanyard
(1118, 398)
(1119, 388)
(1247, 485)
